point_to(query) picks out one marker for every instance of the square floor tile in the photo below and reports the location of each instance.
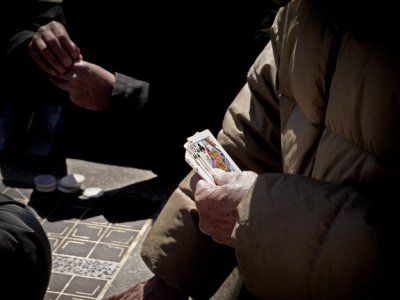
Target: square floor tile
(109, 252)
(88, 232)
(119, 236)
(55, 242)
(75, 248)
(58, 229)
(85, 287)
(51, 296)
(58, 282)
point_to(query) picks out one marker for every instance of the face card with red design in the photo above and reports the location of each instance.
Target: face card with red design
(205, 152)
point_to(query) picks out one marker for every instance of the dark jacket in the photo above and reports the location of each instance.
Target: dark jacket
(194, 57)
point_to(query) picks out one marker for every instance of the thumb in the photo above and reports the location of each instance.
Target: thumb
(222, 177)
(203, 186)
(194, 180)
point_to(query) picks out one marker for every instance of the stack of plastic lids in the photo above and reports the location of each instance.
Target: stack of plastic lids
(45, 183)
(68, 184)
(71, 183)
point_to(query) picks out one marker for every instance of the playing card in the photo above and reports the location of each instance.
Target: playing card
(205, 153)
(199, 170)
(198, 157)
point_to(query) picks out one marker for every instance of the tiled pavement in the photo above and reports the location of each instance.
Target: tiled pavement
(96, 242)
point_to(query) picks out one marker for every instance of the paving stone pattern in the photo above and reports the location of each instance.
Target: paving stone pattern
(92, 240)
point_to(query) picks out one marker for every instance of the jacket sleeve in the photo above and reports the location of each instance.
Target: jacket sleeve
(251, 127)
(306, 239)
(129, 93)
(296, 237)
(29, 18)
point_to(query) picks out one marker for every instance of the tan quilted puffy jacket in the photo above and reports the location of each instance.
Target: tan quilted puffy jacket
(319, 120)
(323, 108)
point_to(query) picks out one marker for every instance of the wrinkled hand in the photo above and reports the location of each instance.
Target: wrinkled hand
(52, 49)
(88, 85)
(217, 203)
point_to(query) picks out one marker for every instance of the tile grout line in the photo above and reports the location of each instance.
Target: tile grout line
(141, 233)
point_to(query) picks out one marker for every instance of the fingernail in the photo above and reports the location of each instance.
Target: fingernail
(67, 62)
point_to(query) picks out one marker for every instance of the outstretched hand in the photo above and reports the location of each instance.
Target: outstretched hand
(52, 49)
(217, 203)
(88, 85)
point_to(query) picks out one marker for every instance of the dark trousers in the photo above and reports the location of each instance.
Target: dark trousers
(25, 253)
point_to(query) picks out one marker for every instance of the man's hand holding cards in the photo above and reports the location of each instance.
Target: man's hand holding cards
(204, 153)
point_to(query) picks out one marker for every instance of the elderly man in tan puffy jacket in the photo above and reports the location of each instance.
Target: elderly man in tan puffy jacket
(317, 128)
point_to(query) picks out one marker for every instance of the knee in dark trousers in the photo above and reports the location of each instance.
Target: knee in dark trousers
(25, 253)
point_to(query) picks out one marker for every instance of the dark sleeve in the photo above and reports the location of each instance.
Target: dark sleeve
(28, 19)
(129, 93)
(311, 235)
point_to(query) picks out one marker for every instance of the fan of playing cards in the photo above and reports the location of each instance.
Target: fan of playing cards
(204, 152)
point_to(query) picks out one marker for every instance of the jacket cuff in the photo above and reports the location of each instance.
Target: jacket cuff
(129, 91)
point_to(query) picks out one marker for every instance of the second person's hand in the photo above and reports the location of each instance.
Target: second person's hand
(88, 85)
(52, 49)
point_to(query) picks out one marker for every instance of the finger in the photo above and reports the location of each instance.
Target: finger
(43, 64)
(193, 181)
(221, 177)
(49, 56)
(67, 44)
(203, 191)
(73, 51)
(52, 39)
